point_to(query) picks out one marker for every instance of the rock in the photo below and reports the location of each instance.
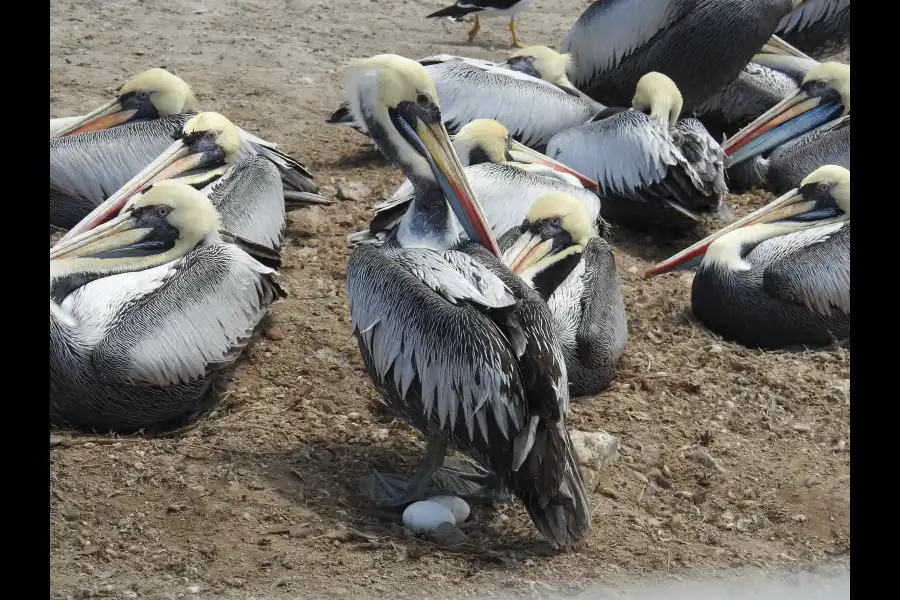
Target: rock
(839, 390)
(447, 534)
(274, 333)
(306, 222)
(716, 349)
(594, 451)
(353, 190)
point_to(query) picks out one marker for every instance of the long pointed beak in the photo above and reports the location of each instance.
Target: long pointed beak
(789, 205)
(524, 154)
(114, 234)
(108, 115)
(776, 45)
(457, 189)
(174, 160)
(793, 116)
(526, 251)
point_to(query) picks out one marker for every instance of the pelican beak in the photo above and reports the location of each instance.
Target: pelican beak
(776, 45)
(792, 204)
(524, 154)
(448, 171)
(108, 115)
(795, 115)
(527, 250)
(119, 233)
(177, 158)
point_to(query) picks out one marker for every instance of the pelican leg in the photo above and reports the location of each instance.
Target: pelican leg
(512, 28)
(464, 479)
(474, 31)
(392, 493)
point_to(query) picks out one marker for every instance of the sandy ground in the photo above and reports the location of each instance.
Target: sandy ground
(258, 500)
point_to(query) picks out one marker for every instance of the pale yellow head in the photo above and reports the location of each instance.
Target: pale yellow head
(550, 64)
(834, 75)
(571, 212)
(218, 128)
(489, 135)
(659, 95)
(168, 93)
(834, 180)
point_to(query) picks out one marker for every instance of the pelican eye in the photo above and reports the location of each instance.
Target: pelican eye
(556, 222)
(210, 135)
(162, 211)
(823, 187)
(423, 100)
(143, 95)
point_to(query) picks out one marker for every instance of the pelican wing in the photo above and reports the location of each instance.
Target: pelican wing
(530, 108)
(811, 268)
(610, 30)
(622, 153)
(444, 363)
(704, 161)
(94, 165)
(250, 199)
(295, 176)
(603, 331)
(198, 316)
(756, 89)
(809, 13)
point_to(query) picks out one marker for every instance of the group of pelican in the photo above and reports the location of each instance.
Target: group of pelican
(483, 295)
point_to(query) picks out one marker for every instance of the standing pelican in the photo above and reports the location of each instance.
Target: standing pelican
(534, 103)
(650, 166)
(557, 251)
(820, 27)
(486, 8)
(806, 130)
(780, 276)
(455, 344)
(701, 45)
(157, 95)
(250, 199)
(145, 310)
(506, 176)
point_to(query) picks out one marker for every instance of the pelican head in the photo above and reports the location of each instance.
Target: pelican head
(208, 143)
(823, 95)
(658, 96)
(487, 140)
(161, 225)
(395, 97)
(823, 198)
(149, 95)
(541, 62)
(556, 226)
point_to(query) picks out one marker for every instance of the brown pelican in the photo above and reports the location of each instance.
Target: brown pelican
(248, 194)
(485, 8)
(650, 166)
(701, 45)
(506, 176)
(157, 103)
(781, 276)
(455, 344)
(806, 130)
(533, 105)
(146, 309)
(820, 27)
(557, 251)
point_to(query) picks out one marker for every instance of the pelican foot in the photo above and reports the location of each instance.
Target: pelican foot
(469, 482)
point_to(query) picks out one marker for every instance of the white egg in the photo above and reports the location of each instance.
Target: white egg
(455, 505)
(425, 517)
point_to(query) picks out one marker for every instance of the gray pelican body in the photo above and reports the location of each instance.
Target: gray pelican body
(146, 310)
(455, 344)
(781, 276)
(506, 177)
(806, 130)
(653, 170)
(532, 105)
(248, 194)
(557, 251)
(114, 141)
(819, 28)
(702, 45)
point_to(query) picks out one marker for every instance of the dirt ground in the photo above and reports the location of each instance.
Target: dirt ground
(258, 500)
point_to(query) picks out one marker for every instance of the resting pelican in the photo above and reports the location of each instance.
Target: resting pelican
(780, 276)
(506, 176)
(557, 251)
(248, 195)
(819, 27)
(455, 344)
(650, 166)
(806, 130)
(701, 45)
(145, 311)
(157, 103)
(533, 105)
(485, 8)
